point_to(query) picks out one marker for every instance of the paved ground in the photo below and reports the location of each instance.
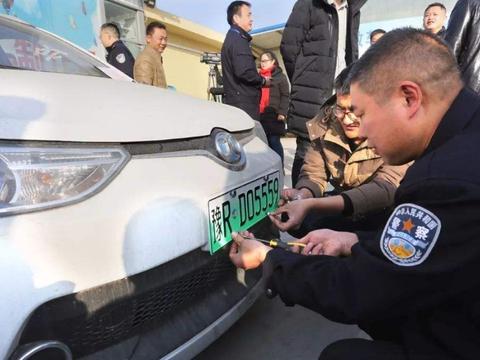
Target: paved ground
(270, 330)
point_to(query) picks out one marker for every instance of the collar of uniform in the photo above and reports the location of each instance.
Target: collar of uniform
(442, 32)
(456, 119)
(241, 32)
(111, 47)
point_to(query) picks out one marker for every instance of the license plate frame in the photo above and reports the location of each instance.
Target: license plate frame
(240, 207)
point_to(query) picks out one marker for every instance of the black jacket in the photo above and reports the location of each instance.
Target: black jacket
(415, 283)
(309, 51)
(119, 56)
(278, 105)
(241, 80)
(463, 35)
(441, 34)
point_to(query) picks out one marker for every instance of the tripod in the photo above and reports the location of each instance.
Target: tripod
(215, 88)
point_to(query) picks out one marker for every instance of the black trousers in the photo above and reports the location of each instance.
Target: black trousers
(302, 148)
(361, 349)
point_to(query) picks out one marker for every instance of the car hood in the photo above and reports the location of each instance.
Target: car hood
(59, 107)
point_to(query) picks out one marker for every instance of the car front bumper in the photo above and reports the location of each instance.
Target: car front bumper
(151, 215)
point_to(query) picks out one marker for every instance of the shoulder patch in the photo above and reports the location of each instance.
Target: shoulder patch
(410, 235)
(120, 58)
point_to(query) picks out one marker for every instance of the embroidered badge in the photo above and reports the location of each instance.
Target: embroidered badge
(410, 235)
(120, 58)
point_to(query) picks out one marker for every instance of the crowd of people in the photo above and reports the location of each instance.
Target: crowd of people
(385, 195)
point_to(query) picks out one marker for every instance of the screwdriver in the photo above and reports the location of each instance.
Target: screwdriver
(277, 243)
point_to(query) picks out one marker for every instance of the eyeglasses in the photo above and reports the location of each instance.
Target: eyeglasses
(340, 112)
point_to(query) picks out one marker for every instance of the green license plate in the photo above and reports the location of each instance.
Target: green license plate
(241, 208)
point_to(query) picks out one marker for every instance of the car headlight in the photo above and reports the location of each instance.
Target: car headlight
(35, 178)
(260, 132)
(228, 148)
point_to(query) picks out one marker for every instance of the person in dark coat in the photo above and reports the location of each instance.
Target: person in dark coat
(413, 286)
(463, 35)
(118, 55)
(274, 101)
(320, 39)
(434, 19)
(241, 81)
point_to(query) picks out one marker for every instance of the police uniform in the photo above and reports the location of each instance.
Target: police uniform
(413, 287)
(119, 56)
(241, 81)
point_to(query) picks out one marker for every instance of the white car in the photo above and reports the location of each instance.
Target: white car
(116, 204)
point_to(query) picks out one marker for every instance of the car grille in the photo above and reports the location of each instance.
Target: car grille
(128, 317)
(86, 332)
(98, 318)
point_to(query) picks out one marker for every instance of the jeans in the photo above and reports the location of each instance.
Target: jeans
(276, 145)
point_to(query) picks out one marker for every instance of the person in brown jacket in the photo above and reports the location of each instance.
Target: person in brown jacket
(363, 185)
(148, 67)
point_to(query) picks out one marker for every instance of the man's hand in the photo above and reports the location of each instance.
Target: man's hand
(247, 254)
(328, 242)
(296, 212)
(293, 194)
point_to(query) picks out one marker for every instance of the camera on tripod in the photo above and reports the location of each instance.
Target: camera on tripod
(215, 81)
(211, 58)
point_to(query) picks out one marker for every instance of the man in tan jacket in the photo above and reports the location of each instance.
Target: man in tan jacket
(363, 185)
(148, 67)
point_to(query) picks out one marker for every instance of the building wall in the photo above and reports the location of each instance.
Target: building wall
(183, 68)
(187, 42)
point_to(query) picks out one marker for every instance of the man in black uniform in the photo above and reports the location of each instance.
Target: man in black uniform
(413, 287)
(118, 54)
(241, 81)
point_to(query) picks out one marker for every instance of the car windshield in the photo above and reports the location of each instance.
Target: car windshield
(25, 47)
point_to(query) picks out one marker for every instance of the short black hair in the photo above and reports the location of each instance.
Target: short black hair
(406, 54)
(376, 32)
(154, 25)
(113, 28)
(440, 5)
(234, 9)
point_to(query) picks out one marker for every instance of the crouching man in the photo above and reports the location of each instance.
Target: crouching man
(411, 286)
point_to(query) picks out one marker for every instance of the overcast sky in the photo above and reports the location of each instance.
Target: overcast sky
(212, 13)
